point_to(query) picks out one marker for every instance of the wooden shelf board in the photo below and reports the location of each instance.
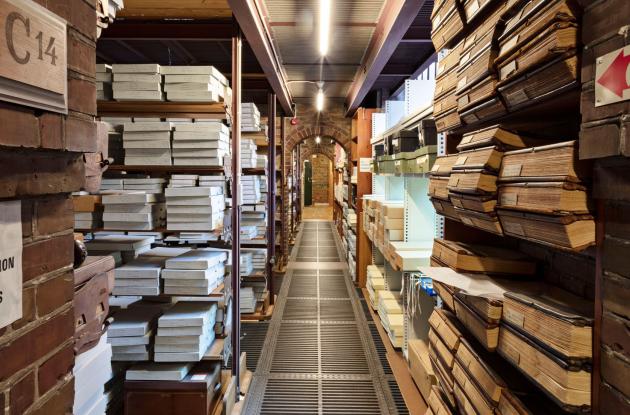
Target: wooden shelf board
(184, 169)
(259, 316)
(162, 109)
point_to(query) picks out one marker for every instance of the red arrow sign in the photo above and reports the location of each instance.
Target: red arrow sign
(614, 78)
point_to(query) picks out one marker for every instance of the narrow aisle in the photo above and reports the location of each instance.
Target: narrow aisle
(319, 356)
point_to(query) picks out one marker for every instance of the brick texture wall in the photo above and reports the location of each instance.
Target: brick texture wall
(321, 178)
(41, 163)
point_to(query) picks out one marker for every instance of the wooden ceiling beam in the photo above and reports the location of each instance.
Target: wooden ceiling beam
(251, 18)
(396, 18)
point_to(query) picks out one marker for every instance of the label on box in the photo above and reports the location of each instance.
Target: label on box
(512, 170)
(514, 228)
(510, 199)
(10, 262)
(461, 160)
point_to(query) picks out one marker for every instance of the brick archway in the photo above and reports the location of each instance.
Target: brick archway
(302, 133)
(307, 155)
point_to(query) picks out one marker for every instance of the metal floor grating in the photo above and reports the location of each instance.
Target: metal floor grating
(321, 355)
(253, 335)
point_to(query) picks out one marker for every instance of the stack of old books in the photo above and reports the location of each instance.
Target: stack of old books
(438, 186)
(547, 334)
(537, 52)
(445, 100)
(445, 335)
(193, 83)
(472, 185)
(247, 300)
(477, 96)
(185, 332)
(147, 143)
(543, 196)
(197, 272)
(259, 259)
(194, 208)
(131, 332)
(103, 82)
(257, 219)
(137, 82)
(133, 211)
(201, 143)
(251, 117)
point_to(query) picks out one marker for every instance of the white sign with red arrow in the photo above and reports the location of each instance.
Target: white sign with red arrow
(612, 77)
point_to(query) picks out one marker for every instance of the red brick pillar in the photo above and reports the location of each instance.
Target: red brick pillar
(41, 163)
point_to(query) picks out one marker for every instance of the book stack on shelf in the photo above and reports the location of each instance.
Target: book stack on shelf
(143, 183)
(256, 219)
(131, 333)
(249, 157)
(375, 284)
(128, 246)
(141, 277)
(103, 82)
(183, 180)
(194, 208)
(197, 272)
(250, 121)
(134, 210)
(214, 181)
(259, 259)
(185, 332)
(147, 143)
(201, 143)
(92, 370)
(250, 190)
(193, 83)
(137, 82)
(472, 185)
(544, 196)
(390, 311)
(247, 300)
(88, 211)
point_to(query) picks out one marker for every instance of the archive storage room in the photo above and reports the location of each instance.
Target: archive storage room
(327, 207)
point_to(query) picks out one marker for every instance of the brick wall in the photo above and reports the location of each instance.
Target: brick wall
(41, 162)
(321, 178)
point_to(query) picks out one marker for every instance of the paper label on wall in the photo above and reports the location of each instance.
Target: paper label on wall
(10, 262)
(365, 165)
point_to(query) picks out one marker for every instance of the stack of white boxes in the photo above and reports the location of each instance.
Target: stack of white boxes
(103, 82)
(214, 181)
(92, 369)
(194, 208)
(147, 143)
(247, 300)
(183, 180)
(258, 219)
(194, 83)
(249, 157)
(129, 246)
(137, 82)
(250, 121)
(201, 143)
(133, 211)
(250, 190)
(115, 183)
(197, 272)
(185, 332)
(149, 185)
(259, 259)
(131, 332)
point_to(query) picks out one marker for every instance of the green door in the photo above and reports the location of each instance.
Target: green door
(308, 183)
